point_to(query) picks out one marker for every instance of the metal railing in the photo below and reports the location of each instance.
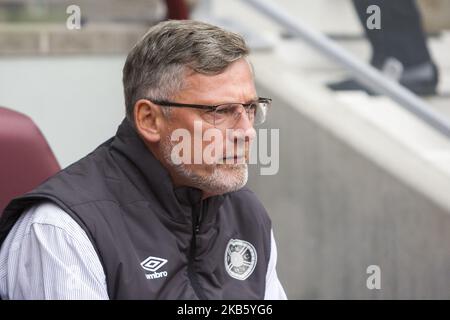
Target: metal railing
(363, 72)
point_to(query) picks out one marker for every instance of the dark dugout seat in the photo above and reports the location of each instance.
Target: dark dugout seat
(26, 159)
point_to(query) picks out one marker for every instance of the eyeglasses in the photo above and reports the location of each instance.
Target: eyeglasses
(226, 115)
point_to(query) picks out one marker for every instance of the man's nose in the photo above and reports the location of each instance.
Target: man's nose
(243, 129)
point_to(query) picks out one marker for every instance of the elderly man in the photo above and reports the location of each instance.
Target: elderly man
(128, 221)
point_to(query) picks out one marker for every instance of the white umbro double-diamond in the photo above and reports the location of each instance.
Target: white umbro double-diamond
(153, 264)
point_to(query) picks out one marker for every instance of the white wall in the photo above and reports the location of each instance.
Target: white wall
(76, 101)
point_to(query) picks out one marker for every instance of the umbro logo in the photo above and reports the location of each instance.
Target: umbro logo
(153, 264)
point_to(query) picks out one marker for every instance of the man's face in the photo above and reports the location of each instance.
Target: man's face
(236, 85)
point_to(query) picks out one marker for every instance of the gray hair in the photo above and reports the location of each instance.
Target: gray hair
(157, 65)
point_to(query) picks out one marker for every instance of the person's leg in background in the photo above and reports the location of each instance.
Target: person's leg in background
(401, 40)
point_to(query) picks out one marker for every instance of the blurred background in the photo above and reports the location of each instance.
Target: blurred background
(363, 114)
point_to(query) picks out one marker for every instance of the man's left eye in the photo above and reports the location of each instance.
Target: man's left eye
(225, 110)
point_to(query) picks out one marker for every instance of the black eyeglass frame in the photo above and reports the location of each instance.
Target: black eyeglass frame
(163, 103)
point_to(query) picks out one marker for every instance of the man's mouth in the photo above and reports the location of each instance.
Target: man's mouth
(234, 159)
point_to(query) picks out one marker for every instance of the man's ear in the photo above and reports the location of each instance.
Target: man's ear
(148, 119)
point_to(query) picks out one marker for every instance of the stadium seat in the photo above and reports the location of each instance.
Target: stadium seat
(26, 159)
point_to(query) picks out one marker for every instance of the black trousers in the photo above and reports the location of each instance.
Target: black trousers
(401, 34)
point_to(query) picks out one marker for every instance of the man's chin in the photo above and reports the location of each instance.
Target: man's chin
(230, 177)
(219, 178)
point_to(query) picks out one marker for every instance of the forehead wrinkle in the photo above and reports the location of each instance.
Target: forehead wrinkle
(217, 89)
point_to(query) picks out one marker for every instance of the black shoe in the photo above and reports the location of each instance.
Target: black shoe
(421, 79)
(349, 85)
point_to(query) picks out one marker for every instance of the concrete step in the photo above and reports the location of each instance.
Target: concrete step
(45, 39)
(401, 126)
